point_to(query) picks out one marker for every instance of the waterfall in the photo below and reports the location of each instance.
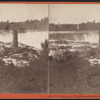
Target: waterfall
(83, 37)
(92, 37)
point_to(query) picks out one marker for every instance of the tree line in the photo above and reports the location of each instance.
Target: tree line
(38, 25)
(69, 27)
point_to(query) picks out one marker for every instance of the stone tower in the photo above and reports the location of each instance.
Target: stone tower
(99, 37)
(15, 39)
(77, 26)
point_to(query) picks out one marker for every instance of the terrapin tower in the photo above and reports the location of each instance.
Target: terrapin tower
(99, 37)
(15, 39)
(77, 26)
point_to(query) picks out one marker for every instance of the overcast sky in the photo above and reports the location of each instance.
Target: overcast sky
(21, 12)
(74, 13)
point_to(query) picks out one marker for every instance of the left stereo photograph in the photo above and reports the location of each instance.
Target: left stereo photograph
(24, 48)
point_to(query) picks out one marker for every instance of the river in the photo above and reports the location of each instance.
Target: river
(31, 38)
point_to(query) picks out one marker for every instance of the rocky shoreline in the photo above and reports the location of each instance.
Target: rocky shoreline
(23, 69)
(18, 57)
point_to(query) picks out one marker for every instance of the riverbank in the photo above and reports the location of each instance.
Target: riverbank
(24, 79)
(74, 65)
(75, 76)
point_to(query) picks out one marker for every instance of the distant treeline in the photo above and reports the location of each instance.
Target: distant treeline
(38, 25)
(71, 27)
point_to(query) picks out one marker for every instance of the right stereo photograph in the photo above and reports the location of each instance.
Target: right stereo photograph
(74, 49)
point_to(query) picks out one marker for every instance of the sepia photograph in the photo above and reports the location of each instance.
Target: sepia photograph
(23, 48)
(74, 49)
(49, 49)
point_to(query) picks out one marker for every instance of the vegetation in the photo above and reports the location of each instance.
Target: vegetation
(31, 79)
(69, 27)
(73, 75)
(40, 25)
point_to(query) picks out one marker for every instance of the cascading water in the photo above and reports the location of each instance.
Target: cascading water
(79, 36)
(91, 37)
(84, 37)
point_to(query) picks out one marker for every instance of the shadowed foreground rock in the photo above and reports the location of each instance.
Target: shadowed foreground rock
(27, 79)
(75, 76)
